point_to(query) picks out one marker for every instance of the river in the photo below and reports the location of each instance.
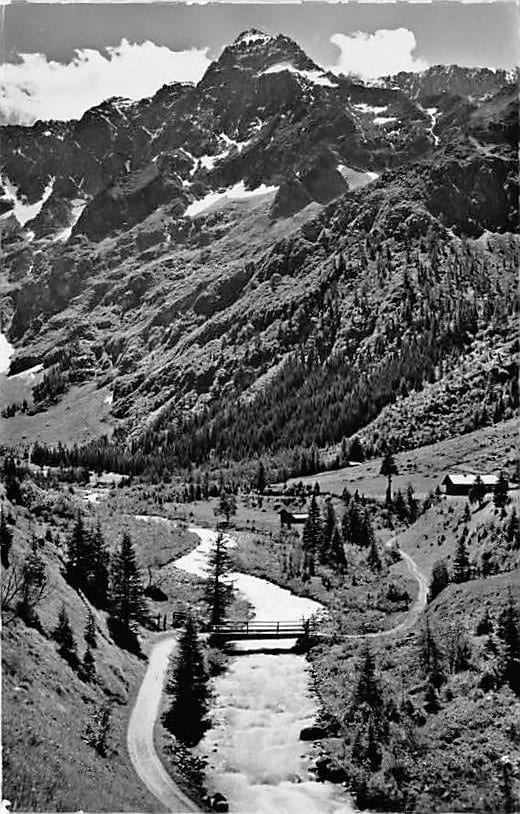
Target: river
(263, 700)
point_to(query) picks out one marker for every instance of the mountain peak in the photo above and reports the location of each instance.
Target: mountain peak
(253, 36)
(253, 52)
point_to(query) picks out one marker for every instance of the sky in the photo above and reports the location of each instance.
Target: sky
(59, 59)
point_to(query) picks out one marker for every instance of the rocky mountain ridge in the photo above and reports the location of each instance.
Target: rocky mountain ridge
(188, 292)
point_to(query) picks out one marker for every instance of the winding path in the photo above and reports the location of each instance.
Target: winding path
(140, 742)
(140, 738)
(417, 607)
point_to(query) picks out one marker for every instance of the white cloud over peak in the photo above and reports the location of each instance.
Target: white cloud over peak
(38, 88)
(386, 51)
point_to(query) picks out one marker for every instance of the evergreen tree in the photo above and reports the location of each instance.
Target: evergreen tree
(186, 716)
(128, 605)
(373, 558)
(500, 492)
(87, 671)
(439, 580)
(432, 701)
(368, 533)
(431, 656)
(90, 631)
(400, 506)
(64, 637)
(260, 478)
(77, 545)
(354, 524)
(227, 504)
(97, 569)
(34, 586)
(389, 469)
(413, 504)
(219, 593)
(313, 532)
(461, 565)
(6, 539)
(485, 624)
(509, 633)
(368, 688)
(329, 525)
(205, 485)
(467, 514)
(337, 552)
(477, 493)
(513, 530)
(356, 450)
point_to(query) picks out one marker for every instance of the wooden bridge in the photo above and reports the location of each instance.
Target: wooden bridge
(257, 629)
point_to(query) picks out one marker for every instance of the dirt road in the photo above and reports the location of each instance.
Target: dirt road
(140, 741)
(417, 607)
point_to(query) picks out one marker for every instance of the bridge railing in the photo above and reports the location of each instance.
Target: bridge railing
(269, 626)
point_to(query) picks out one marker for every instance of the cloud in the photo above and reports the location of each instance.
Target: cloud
(36, 88)
(386, 51)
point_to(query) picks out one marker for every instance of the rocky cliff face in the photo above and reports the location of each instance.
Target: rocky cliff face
(263, 112)
(188, 244)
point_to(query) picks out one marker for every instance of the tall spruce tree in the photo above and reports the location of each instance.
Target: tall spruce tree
(431, 655)
(329, 524)
(312, 534)
(389, 469)
(127, 604)
(219, 592)
(461, 564)
(513, 530)
(260, 478)
(509, 632)
(77, 545)
(90, 631)
(373, 558)
(97, 569)
(337, 552)
(186, 716)
(439, 580)
(477, 493)
(6, 539)
(64, 637)
(367, 689)
(500, 493)
(87, 670)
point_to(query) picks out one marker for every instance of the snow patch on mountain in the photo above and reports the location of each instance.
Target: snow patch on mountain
(23, 211)
(316, 77)
(375, 109)
(356, 178)
(238, 192)
(78, 205)
(384, 119)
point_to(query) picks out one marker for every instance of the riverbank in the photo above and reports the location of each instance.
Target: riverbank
(263, 700)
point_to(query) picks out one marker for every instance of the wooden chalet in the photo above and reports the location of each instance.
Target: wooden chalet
(459, 484)
(288, 518)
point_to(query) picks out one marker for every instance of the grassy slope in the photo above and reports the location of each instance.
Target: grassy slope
(47, 764)
(45, 709)
(486, 450)
(81, 415)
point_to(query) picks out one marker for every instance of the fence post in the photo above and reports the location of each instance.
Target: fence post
(277, 628)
